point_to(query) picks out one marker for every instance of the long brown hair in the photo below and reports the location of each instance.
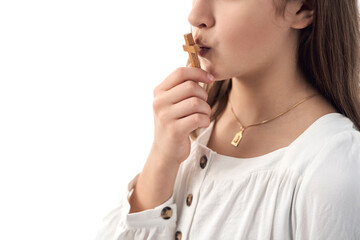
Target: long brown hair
(328, 55)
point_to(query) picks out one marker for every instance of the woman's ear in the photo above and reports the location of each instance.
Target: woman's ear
(303, 13)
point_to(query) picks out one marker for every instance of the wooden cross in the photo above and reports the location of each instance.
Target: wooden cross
(192, 49)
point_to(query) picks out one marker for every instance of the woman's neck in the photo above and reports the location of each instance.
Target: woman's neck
(268, 94)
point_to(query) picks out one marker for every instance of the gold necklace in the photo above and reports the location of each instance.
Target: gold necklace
(238, 136)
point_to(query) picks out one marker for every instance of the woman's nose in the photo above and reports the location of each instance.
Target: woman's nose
(200, 15)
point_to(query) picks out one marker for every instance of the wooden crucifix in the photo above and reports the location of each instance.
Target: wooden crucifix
(192, 49)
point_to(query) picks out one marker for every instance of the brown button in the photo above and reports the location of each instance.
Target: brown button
(166, 213)
(203, 161)
(178, 235)
(189, 199)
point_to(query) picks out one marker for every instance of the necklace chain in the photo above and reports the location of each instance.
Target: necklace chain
(238, 136)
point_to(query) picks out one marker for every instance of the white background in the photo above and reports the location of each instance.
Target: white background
(76, 82)
(76, 123)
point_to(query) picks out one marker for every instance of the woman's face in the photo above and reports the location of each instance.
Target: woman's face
(245, 36)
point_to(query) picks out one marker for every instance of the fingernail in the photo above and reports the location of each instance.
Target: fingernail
(210, 77)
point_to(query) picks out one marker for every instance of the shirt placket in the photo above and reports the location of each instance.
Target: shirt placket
(203, 159)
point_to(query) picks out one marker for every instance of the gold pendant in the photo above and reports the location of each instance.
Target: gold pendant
(236, 140)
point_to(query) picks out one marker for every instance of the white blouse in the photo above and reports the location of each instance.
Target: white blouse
(308, 190)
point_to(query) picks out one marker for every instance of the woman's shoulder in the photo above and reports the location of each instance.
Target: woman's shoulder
(339, 137)
(337, 157)
(330, 142)
(341, 149)
(328, 133)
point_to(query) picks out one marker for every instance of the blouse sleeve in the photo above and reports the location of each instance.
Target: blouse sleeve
(158, 223)
(328, 201)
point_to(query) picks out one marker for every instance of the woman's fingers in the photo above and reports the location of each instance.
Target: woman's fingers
(189, 107)
(185, 90)
(183, 74)
(193, 122)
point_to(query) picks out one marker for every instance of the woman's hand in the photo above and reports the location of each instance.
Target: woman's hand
(179, 108)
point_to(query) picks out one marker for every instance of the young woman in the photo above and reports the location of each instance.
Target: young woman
(275, 148)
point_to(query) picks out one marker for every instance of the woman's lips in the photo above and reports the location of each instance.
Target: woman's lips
(203, 51)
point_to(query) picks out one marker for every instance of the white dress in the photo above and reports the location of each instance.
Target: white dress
(306, 191)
